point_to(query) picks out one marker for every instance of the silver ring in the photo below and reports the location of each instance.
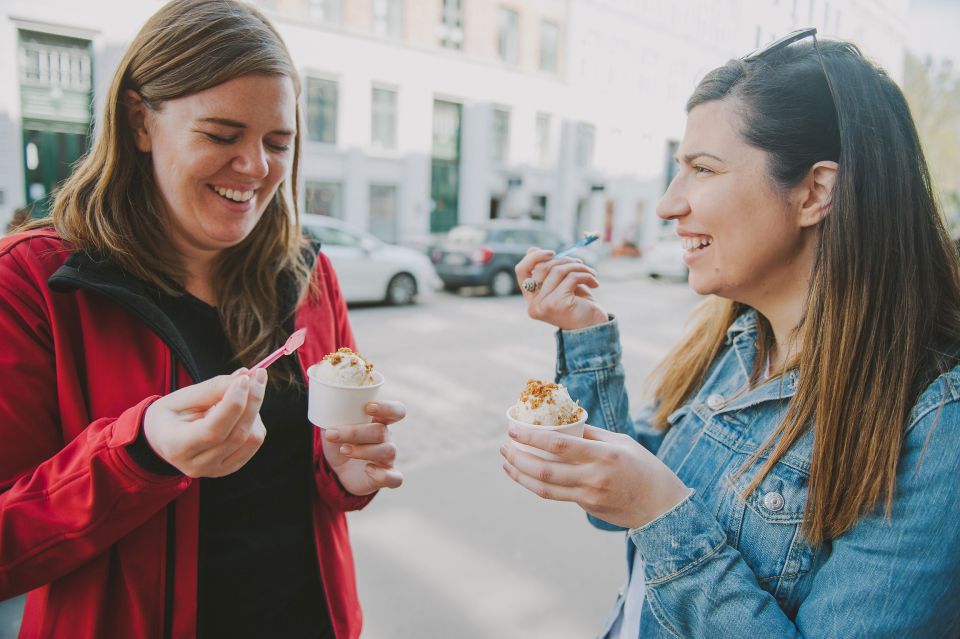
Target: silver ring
(530, 285)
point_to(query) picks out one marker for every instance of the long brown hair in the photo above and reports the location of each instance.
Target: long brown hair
(882, 314)
(110, 204)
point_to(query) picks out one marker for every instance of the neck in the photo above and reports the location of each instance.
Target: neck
(199, 278)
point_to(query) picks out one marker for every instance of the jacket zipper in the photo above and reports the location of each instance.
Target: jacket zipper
(171, 536)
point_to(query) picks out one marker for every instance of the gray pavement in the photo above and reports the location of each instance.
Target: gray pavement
(462, 551)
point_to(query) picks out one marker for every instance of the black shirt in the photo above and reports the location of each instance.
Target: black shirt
(258, 574)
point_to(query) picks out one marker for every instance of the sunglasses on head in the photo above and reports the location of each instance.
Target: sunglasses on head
(787, 40)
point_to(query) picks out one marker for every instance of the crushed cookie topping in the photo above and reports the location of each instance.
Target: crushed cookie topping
(353, 359)
(537, 392)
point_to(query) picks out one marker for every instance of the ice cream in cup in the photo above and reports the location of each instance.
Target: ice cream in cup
(340, 385)
(546, 406)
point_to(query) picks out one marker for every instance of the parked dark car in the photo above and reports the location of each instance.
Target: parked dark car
(474, 255)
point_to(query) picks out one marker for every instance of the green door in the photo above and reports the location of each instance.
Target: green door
(445, 166)
(48, 157)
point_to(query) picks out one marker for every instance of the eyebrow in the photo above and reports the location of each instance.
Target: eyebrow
(690, 157)
(240, 125)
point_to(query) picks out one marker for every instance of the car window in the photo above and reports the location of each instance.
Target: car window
(510, 236)
(464, 236)
(334, 237)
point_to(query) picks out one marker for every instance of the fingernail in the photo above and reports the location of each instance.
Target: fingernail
(243, 384)
(260, 377)
(514, 432)
(346, 449)
(372, 408)
(333, 435)
(503, 450)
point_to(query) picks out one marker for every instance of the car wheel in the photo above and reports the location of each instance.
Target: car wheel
(503, 283)
(401, 290)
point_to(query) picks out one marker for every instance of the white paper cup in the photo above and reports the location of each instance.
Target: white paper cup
(330, 405)
(575, 429)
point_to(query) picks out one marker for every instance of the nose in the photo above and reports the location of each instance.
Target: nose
(674, 202)
(252, 160)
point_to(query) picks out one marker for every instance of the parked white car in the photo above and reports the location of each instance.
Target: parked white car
(369, 269)
(664, 256)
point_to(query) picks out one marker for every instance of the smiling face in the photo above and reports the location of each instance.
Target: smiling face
(742, 239)
(218, 157)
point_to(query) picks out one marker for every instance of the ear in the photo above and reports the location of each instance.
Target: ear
(137, 119)
(817, 193)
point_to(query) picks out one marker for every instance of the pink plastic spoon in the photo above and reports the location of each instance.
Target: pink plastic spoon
(294, 342)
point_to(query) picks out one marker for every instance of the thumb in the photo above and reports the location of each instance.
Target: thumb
(597, 434)
(202, 394)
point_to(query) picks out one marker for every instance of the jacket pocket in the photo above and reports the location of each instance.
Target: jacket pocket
(765, 527)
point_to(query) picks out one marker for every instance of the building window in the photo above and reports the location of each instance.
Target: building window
(670, 171)
(501, 135)
(507, 34)
(322, 110)
(585, 140)
(451, 24)
(324, 198)
(52, 65)
(543, 139)
(383, 124)
(325, 10)
(383, 211)
(388, 18)
(538, 208)
(549, 46)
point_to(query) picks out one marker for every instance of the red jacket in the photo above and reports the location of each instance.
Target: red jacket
(106, 548)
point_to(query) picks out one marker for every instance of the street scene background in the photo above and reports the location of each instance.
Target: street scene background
(424, 115)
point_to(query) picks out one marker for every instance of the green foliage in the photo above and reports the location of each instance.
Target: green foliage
(933, 92)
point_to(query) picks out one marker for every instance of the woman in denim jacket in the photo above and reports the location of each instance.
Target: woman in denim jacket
(796, 472)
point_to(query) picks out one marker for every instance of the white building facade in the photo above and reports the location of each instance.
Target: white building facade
(421, 114)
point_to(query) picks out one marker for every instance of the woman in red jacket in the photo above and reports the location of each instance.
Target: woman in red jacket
(148, 487)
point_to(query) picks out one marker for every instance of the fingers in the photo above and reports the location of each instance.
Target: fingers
(202, 395)
(599, 434)
(544, 471)
(551, 276)
(383, 477)
(381, 454)
(239, 406)
(372, 433)
(567, 447)
(386, 411)
(247, 449)
(534, 256)
(539, 488)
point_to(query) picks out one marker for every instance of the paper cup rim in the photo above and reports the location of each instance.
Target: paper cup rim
(511, 417)
(377, 376)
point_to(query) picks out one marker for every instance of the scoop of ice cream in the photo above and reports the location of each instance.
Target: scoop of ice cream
(545, 404)
(345, 368)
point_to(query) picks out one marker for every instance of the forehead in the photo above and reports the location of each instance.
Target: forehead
(250, 99)
(712, 127)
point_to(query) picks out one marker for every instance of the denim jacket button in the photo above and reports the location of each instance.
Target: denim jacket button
(773, 502)
(715, 401)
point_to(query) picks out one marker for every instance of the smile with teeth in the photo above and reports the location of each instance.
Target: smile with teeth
(235, 195)
(694, 243)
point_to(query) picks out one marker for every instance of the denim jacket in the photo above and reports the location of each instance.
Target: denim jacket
(723, 563)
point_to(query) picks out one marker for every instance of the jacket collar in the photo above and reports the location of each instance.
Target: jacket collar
(102, 276)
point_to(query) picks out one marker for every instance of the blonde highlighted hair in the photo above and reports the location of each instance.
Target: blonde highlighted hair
(882, 313)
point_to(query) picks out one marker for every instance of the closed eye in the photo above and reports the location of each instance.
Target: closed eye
(220, 140)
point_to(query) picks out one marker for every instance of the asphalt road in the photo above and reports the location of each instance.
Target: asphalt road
(460, 550)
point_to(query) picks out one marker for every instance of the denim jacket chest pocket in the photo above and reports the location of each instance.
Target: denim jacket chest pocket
(707, 450)
(765, 525)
